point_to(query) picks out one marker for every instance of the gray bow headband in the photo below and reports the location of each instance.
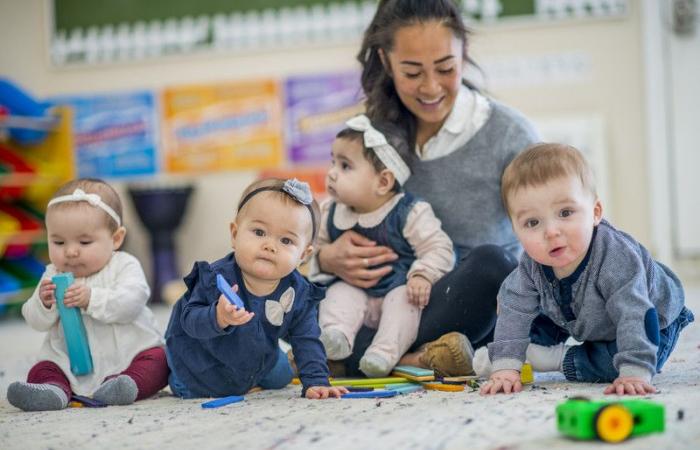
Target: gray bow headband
(297, 190)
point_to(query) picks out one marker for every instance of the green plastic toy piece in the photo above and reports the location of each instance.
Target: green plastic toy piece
(609, 421)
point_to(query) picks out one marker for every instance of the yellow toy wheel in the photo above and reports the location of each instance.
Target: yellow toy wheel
(613, 423)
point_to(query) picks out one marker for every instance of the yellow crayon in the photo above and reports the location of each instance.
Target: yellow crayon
(526, 376)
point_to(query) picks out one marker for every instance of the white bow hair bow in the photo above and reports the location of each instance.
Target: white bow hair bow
(372, 136)
(375, 140)
(95, 200)
(80, 195)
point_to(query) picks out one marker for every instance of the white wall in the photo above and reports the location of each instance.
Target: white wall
(612, 88)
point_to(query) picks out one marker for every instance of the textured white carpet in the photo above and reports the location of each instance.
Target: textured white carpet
(282, 420)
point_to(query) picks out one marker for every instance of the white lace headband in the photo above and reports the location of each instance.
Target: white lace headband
(375, 140)
(79, 195)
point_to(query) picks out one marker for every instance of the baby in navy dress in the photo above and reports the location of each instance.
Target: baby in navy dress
(215, 349)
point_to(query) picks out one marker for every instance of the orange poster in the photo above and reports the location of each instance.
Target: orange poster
(222, 126)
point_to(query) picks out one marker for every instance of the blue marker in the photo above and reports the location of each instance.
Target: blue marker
(225, 289)
(222, 401)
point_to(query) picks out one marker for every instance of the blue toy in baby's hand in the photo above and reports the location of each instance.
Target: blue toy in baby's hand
(225, 289)
(73, 328)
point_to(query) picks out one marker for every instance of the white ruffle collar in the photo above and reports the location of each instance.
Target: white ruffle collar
(345, 218)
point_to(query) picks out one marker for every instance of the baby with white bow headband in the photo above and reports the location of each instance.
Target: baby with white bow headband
(85, 231)
(365, 180)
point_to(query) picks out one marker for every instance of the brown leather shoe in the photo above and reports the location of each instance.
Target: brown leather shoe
(450, 355)
(336, 368)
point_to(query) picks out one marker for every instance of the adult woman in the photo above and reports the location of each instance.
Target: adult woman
(413, 55)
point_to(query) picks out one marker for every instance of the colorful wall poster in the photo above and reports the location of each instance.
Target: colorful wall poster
(224, 126)
(115, 135)
(317, 108)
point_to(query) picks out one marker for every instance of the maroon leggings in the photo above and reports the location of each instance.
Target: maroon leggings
(148, 369)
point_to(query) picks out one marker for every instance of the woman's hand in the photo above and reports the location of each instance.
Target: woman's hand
(505, 381)
(352, 257)
(321, 392)
(630, 386)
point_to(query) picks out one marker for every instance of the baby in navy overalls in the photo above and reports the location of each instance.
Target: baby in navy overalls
(365, 182)
(215, 349)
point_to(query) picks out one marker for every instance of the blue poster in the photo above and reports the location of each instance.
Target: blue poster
(115, 134)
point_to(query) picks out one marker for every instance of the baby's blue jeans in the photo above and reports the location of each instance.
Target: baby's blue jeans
(592, 361)
(278, 377)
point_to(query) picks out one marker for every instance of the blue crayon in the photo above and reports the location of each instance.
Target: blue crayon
(225, 289)
(222, 401)
(73, 328)
(372, 394)
(406, 388)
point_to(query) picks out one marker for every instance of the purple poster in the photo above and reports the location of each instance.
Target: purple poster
(317, 108)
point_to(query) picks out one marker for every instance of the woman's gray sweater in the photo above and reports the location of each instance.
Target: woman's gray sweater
(464, 187)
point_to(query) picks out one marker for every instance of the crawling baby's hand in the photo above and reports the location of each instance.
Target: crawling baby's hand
(321, 392)
(505, 381)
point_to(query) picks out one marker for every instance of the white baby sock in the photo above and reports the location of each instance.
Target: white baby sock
(542, 358)
(481, 362)
(374, 366)
(336, 344)
(546, 359)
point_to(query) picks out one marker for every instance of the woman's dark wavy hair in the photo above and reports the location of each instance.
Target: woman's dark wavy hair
(382, 102)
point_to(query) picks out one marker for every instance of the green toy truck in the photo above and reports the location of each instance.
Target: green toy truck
(609, 421)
